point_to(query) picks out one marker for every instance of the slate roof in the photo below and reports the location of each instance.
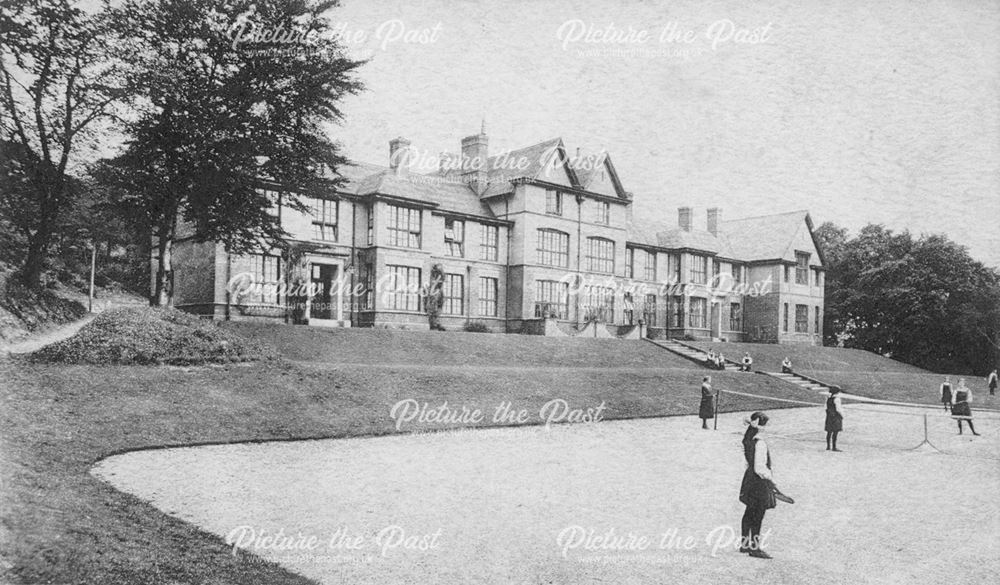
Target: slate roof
(765, 237)
(658, 235)
(449, 193)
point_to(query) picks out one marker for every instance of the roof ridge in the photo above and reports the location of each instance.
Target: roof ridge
(557, 138)
(766, 215)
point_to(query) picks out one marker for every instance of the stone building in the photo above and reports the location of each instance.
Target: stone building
(534, 240)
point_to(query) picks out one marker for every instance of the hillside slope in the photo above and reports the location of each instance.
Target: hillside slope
(455, 348)
(768, 356)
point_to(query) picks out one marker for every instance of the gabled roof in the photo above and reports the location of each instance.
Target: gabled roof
(537, 156)
(765, 237)
(586, 172)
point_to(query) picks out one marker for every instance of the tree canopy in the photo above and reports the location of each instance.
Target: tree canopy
(221, 118)
(922, 300)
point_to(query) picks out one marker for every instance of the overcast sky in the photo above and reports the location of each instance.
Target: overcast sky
(858, 111)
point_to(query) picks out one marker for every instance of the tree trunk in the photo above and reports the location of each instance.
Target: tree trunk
(163, 295)
(34, 261)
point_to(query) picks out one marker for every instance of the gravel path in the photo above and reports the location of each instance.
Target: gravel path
(37, 341)
(489, 506)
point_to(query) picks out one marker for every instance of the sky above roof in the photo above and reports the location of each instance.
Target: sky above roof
(858, 111)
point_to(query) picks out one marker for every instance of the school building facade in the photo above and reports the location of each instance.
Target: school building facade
(526, 241)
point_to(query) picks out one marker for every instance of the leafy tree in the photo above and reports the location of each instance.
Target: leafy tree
(832, 240)
(222, 117)
(921, 300)
(58, 84)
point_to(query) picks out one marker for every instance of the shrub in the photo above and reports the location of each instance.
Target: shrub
(476, 327)
(145, 335)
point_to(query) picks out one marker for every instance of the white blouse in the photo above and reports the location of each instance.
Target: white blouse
(760, 460)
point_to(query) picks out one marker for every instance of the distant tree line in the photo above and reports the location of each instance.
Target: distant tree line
(200, 120)
(921, 300)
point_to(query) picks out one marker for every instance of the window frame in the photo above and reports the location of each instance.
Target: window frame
(650, 262)
(802, 268)
(557, 237)
(394, 297)
(603, 215)
(454, 247)
(448, 289)
(489, 242)
(697, 319)
(551, 288)
(735, 317)
(404, 236)
(553, 202)
(601, 259)
(801, 318)
(693, 274)
(599, 300)
(489, 290)
(649, 310)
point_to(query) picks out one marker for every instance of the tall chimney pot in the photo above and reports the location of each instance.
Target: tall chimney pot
(475, 152)
(714, 219)
(399, 154)
(684, 218)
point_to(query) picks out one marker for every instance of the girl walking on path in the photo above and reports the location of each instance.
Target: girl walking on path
(834, 419)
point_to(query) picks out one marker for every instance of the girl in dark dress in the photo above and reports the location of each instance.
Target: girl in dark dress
(707, 408)
(961, 410)
(757, 489)
(834, 419)
(946, 394)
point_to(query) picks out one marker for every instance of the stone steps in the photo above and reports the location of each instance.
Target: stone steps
(801, 382)
(695, 355)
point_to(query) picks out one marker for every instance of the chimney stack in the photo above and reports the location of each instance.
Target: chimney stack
(399, 154)
(475, 152)
(714, 218)
(684, 218)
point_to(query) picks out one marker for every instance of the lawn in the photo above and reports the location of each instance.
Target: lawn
(924, 388)
(61, 525)
(378, 346)
(768, 357)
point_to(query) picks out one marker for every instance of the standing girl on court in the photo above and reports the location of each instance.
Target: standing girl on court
(834, 418)
(757, 489)
(707, 408)
(961, 410)
(946, 394)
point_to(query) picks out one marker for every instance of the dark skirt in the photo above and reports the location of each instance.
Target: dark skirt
(961, 409)
(756, 492)
(834, 422)
(946, 398)
(707, 408)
